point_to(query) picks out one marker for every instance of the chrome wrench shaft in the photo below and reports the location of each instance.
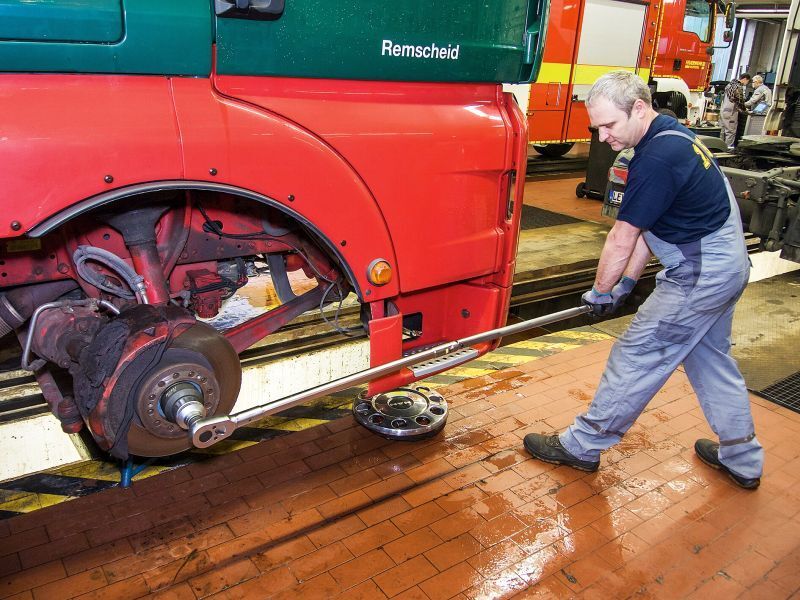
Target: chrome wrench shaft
(208, 431)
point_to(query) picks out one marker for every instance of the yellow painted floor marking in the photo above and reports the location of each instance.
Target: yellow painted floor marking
(545, 346)
(95, 469)
(151, 470)
(299, 424)
(508, 359)
(30, 502)
(270, 422)
(11, 495)
(432, 384)
(466, 372)
(224, 447)
(589, 336)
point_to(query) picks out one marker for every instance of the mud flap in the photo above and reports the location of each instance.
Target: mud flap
(385, 345)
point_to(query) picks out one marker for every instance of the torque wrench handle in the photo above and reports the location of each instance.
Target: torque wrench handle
(208, 431)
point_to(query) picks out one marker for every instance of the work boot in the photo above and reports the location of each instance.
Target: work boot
(549, 449)
(708, 452)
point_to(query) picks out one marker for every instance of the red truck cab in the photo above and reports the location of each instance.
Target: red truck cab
(156, 151)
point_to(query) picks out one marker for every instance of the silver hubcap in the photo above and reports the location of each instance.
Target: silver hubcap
(404, 413)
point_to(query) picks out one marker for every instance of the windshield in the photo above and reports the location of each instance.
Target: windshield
(698, 18)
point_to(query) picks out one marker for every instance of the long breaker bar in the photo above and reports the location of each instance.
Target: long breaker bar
(208, 431)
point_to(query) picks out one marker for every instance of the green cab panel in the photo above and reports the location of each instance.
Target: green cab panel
(61, 21)
(165, 37)
(399, 40)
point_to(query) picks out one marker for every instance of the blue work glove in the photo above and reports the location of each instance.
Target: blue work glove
(621, 291)
(602, 304)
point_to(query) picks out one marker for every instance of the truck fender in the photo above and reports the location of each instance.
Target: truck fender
(138, 134)
(233, 142)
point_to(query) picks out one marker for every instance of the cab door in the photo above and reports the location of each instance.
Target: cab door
(610, 39)
(687, 30)
(550, 95)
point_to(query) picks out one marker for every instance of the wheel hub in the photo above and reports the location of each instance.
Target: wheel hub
(170, 390)
(182, 403)
(198, 375)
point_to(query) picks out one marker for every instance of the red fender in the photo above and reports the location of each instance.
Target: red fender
(77, 141)
(65, 138)
(253, 149)
(434, 156)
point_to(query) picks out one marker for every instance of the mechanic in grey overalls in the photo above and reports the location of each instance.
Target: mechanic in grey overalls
(733, 100)
(678, 205)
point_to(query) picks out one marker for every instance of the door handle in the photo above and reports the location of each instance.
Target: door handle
(258, 10)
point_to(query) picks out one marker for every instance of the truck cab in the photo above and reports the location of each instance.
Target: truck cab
(166, 153)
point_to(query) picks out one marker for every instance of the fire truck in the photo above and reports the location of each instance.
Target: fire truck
(153, 152)
(668, 43)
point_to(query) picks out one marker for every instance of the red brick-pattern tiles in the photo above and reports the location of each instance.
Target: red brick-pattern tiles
(335, 511)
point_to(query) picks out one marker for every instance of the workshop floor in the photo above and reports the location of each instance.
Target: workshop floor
(334, 510)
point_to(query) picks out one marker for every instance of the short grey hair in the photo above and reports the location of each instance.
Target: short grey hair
(757, 80)
(622, 89)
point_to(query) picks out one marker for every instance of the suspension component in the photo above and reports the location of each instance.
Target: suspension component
(17, 306)
(207, 291)
(59, 331)
(138, 229)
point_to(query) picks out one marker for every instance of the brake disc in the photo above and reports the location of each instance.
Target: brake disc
(403, 414)
(200, 357)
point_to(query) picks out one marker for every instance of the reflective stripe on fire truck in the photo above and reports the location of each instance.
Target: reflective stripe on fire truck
(584, 74)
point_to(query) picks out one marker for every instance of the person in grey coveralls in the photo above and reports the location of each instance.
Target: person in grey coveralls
(679, 206)
(733, 100)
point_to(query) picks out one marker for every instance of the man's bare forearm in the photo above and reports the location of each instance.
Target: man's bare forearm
(639, 259)
(622, 245)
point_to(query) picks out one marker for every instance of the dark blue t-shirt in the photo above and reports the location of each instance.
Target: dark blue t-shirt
(673, 189)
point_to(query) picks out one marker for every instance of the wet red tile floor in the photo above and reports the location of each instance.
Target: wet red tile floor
(334, 510)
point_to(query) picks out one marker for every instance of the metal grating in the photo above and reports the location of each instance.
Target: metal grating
(785, 392)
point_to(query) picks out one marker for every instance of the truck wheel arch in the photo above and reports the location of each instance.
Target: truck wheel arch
(291, 166)
(120, 195)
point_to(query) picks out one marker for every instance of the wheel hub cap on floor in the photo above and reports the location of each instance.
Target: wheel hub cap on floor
(405, 413)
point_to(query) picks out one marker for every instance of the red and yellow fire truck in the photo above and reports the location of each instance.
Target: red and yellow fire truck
(153, 150)
(666, 42)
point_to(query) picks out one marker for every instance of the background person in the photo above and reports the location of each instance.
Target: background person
(733, 100)
(761, 95)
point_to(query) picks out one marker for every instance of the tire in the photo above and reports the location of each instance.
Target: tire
(580, 190)
(554, 150)
(674, 101)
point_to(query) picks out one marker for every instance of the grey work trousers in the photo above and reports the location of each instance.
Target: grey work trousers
(728, 122)
(668, 330)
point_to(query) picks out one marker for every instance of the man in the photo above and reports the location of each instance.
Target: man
(678, 205)
(732, 104)
(761, 95)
